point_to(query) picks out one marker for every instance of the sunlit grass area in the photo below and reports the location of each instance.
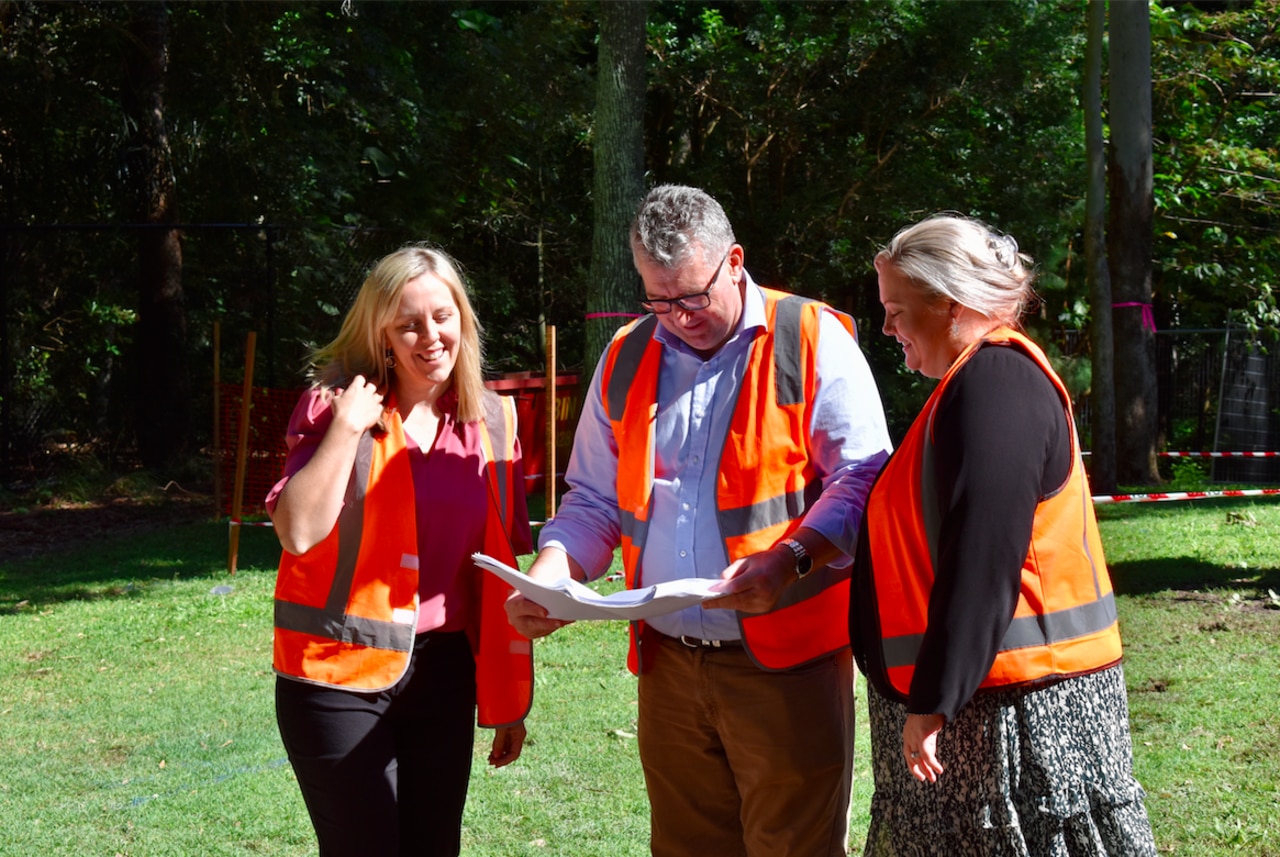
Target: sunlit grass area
(136, 706)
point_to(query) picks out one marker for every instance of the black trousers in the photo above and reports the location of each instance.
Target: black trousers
(386, 773)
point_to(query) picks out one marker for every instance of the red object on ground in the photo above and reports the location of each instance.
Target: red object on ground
(269, 418)
(531, 414)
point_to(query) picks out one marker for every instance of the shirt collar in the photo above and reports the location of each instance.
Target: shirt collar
(752, 307)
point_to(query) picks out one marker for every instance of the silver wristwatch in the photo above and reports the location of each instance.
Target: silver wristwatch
(804, 562)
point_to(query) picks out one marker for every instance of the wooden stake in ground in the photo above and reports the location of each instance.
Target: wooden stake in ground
(242, 452)
(217, 416)
(550, 457)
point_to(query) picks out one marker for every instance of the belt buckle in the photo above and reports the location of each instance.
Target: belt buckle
(698, 643)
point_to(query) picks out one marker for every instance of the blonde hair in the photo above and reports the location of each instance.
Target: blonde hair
(360, 349)
(963, 260)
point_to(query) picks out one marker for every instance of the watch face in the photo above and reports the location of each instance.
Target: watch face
(804, 562)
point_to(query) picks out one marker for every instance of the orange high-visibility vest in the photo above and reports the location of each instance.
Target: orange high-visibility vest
(346, 610)
(1065, 620)
(766, 480)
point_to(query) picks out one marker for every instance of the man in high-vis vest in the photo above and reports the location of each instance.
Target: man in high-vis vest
(731, 433)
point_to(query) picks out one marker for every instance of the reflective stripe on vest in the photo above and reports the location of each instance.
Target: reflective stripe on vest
(342, 621)
(332, 621)
(1024, 631)
(504, 658)
(767, 482)
(1065, 620)
(497, 438)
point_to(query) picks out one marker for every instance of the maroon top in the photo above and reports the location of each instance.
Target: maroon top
(450, 498)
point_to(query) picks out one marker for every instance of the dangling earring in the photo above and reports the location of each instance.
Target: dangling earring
(390, 359)
(955, 327)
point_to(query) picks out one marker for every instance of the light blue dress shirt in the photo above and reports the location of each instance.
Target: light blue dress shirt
(696, 398)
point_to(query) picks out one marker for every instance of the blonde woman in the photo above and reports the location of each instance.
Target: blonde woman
(400, 466)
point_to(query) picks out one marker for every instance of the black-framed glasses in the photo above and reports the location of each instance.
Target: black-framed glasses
(688, 303)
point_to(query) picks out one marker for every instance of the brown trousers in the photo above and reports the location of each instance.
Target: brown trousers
(740, 762)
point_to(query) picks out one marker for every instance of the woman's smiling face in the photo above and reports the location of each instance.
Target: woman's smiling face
(424, 336)
(921, 326)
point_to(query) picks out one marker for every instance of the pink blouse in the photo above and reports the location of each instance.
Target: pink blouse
(450, 498)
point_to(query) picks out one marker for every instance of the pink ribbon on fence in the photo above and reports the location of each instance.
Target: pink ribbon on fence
(1148, 317)
(612, 315)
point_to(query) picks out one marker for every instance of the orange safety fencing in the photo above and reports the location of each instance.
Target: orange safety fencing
(265, 448)
(250, 449)
(530, 393)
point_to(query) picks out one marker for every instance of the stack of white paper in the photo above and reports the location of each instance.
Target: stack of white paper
(569, 599)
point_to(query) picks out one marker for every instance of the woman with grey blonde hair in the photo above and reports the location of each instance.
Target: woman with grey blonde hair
(962, 260)
(401, 465)
(982, 610)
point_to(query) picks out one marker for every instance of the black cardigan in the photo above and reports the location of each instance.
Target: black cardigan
(1001, 443)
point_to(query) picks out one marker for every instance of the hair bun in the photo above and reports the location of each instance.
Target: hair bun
(1005, 249)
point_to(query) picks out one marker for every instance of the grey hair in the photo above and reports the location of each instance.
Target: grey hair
(673, 220)
(963, 260)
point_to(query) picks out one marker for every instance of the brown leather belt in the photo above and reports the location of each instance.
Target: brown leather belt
(698, 643)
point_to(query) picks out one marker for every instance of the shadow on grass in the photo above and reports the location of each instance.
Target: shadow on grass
(1143, 577)
(116, 562)
(120, 565)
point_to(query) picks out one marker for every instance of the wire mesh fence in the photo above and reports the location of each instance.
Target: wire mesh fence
(1218, 390)
(68, 304)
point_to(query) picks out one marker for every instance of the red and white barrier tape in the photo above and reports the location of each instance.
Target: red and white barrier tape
(1219, 454)
(1208, 454)
(1185, 495)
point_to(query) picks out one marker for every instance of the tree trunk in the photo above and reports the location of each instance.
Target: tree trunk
(1130, 241)
(1102, 443)
(163, 394)
(619, 171)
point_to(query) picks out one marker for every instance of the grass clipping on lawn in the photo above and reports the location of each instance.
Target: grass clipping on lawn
(136, 704)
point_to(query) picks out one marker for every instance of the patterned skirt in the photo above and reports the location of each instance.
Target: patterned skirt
(1044, 772)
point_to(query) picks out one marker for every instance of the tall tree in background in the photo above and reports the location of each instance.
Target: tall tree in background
(1216, 110)
(1102, 462)
(163, 403)
(619, 170)
(1130, 240)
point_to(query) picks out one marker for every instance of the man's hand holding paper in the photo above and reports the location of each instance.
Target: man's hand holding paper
(567, 599)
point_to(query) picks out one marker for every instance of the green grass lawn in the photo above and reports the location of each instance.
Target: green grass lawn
(1199, 601)
(136, 704)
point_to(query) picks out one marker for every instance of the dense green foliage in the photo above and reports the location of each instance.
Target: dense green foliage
(322, 135)
(1217, 99)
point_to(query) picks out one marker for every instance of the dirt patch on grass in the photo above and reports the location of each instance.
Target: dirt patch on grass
(26, 533)
(1234, 601)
